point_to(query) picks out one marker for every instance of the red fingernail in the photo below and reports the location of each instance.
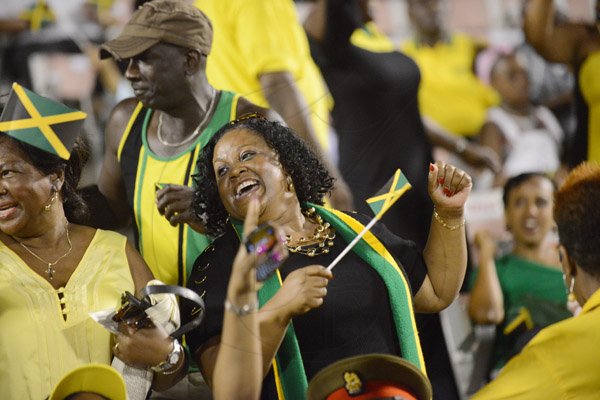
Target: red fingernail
(431, 167)
(446, 192)
(441, 180)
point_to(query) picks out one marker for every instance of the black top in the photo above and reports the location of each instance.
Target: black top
(355, 317)
(376, 116)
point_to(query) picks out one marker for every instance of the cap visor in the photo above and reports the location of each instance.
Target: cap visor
(124, 47)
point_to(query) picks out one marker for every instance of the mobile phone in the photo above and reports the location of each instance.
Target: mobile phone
(261, 241)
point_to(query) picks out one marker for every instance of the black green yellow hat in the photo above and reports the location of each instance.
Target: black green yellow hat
(41, 122)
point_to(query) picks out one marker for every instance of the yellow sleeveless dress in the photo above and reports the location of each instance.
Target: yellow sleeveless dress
(40, 340)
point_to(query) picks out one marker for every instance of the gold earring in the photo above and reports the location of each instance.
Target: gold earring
(48, 206)
(290, 184)
(571, 295)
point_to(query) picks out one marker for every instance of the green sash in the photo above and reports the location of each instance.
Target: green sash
(290, 376)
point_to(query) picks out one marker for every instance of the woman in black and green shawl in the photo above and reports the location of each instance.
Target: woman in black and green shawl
(307, 319)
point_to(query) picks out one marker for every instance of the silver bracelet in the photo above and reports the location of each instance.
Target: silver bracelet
(245, 309)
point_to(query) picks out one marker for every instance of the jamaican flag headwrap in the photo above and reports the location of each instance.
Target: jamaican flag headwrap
(41, 122)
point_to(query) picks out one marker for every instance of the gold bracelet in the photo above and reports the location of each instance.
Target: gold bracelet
(245, 309)
(445, 224)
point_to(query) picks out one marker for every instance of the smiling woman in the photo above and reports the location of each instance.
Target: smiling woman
(529, 277)
(53, 271)
(256, 159)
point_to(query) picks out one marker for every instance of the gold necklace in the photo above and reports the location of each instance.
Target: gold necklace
(319, 243)
(50, 270)
(196, 132)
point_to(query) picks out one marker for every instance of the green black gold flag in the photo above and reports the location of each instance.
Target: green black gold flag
(46, 124)
(388, 194)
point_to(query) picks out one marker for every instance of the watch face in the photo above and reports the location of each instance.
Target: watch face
(175, 354)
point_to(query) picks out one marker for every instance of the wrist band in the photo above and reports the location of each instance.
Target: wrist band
(445, 224)
(245, 309)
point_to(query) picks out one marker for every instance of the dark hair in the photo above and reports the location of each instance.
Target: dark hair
(518, 180)
(577, 216)
(76, 209)
(311, 179)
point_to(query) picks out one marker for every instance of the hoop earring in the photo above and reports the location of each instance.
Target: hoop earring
(48, 206)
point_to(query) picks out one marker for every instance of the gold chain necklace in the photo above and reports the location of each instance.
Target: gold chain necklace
(319, 243)
(50, 270)
(197, 131)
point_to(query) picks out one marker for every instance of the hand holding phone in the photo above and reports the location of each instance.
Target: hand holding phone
(263, 241)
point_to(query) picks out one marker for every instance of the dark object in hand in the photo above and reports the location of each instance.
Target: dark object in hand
(261, 241)
(132, 312)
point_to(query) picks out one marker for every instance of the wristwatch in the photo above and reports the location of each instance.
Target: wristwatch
(172, 359)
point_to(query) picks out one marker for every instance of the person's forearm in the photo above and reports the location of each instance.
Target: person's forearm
(283, 96)
(538, 22)
(240, 353)
(446, 256)
(273, 325)
(486, 305)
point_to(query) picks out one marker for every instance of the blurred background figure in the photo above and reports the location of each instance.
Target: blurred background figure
(446, 60)
(261, 52)
(542, 370)
(525, 137)
(521, 291)
(578, 46)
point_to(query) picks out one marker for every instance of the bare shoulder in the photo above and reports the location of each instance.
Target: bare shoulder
(245, 106)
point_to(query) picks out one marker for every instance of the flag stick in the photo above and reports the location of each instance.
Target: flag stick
(351, 244)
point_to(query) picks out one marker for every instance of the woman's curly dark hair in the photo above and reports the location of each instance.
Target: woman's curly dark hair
(76, 209)
(310, 178)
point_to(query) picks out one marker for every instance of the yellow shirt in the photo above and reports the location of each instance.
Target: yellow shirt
(369, 37)
(254, 37)
(589, 83)
(37, 344)
(561, 362)
(450, 93)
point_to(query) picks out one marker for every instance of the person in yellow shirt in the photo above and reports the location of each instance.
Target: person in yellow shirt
(450, 92)
(261, 51)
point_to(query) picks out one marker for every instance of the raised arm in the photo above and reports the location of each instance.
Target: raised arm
(486, 303)
(559, 43)
(446, 250)
(238, 367)
(474, 154)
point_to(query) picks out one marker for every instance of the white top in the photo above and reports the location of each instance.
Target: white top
(533, 141)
